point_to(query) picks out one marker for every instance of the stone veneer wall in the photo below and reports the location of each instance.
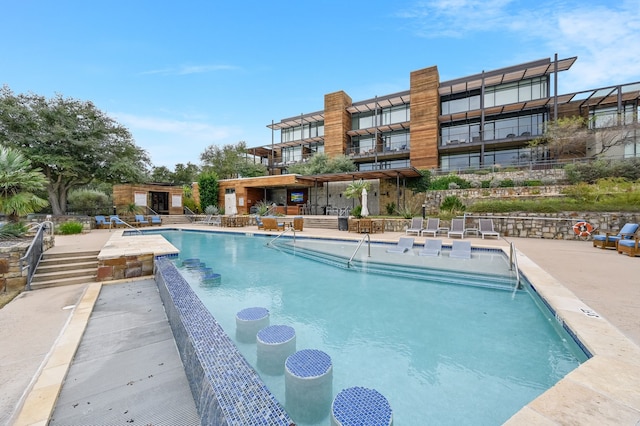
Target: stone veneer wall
(225, 388)
(125, 267)
(12, 254)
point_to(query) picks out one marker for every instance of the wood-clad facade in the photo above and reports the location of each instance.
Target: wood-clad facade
(162, 199)
(337, 122)
(425, 110)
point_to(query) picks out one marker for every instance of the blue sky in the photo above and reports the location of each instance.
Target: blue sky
(185, 75)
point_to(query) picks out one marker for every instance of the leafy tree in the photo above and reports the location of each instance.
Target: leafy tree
(208, 186)
(71, 141)
(231, 161)
(321, 164)
(18, 182)
(354, 189)
(89, 201)
(161, 174)
(565, 137)
(185, 174)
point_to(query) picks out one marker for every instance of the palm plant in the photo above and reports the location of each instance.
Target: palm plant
(18, 182)
(354, 189)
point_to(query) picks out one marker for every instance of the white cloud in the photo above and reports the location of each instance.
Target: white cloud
(605, 37)
(172, 141)
(190, 69)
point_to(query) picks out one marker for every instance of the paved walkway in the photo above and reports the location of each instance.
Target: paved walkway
(602, 391)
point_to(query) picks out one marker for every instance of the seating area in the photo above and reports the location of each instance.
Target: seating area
(416, 226)
(271, 224)
(609, 239)
(433, 226)
(457, 228)
(404, 244)
(629, 247)
(486, 229)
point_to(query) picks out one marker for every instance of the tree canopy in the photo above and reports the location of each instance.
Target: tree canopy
(321, 164)
(183, 174)
(71, 141)
(231, 161)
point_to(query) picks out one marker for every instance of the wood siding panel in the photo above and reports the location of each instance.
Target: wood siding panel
(425, 109)
(337, 122)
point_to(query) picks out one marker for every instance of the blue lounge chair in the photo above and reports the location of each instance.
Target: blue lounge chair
(156, 220)
(259, 222)
(102, 222)
(460, 249)
(115, 220)
(431, 248)
(140, 220)
(630, 247)
(404, 244)
(608, 239)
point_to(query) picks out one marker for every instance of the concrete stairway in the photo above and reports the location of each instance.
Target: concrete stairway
(325, 222)
(65, 268)
(175, 219)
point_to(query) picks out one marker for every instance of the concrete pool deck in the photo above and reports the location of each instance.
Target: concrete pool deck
(595, 292)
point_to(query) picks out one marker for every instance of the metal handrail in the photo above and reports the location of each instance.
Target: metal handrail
(190, 214)
(366, 237)
(132, 227)
(282, 233)
(513, 262)
(33, 254)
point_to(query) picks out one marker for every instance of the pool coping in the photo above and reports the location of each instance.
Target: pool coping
(603, 390)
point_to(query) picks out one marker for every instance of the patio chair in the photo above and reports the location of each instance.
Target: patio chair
(433, 225)
(431, 248)
(259, 222)
(205, 220)
(271, 224)
(298, 223)
(460, 249)
(156, 220)
(457, 228)
(630, 247)
(115, 220)
(486, 228)
(608, 239)
(404, 244)
(140, 220)
(415, 227)
(102, 222)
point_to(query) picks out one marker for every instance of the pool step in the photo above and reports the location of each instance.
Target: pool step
(442, 276)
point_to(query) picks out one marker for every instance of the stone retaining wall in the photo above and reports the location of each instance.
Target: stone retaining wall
(125, 267)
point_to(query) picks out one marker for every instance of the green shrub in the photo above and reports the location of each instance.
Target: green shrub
(191, 204)
(12, 230)
(69, 228)
(532, 182)
(213, 210)
(89, 202)
(444, 182)
(390, 208)
(507, 183)
(452, 204)
(485, 183)
(356, 211)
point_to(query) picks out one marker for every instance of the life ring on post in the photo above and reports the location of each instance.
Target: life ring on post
(583, 229)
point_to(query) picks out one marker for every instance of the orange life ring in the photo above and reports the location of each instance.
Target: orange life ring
(583, 229)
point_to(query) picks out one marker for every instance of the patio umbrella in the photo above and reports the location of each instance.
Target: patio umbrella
(365, 210)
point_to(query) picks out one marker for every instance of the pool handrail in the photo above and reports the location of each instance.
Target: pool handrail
(368, 238)
(282, 233)
(513, 262)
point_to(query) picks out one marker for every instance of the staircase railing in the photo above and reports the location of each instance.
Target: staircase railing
(292, 229)
(189, 214)
(513, 264)
(29, 262)
(366, 237)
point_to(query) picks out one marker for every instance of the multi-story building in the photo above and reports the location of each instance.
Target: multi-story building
(480, 121)
(471, 122)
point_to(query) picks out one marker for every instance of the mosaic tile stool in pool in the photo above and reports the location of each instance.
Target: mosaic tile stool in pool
(360, 406)
(308, 380)
(249, 321)
(275, 344)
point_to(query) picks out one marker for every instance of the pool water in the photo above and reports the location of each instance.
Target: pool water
(439, 353)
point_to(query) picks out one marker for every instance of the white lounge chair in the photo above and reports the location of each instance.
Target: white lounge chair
(404, 244)
(431, 248)
(457, 228)
(460, 249)
(486, 228)
(416, 226)
(433, 225)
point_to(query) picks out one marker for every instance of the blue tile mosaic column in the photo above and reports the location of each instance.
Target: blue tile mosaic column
(249, 321)
(308, 385)
(360, 406)
(274, 345)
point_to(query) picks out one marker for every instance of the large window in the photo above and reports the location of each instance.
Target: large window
(385, 116)
(384, 165)
(608, 117)
(306, 131)
(510, 127)
(494, 158)
(521, 91)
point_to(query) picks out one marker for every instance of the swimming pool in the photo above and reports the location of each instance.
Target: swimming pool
(449, 354)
